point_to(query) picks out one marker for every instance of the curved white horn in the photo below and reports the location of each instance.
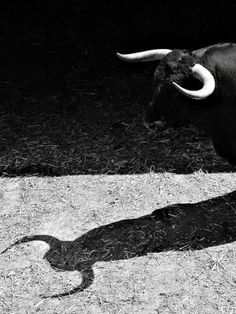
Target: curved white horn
(148, 55)
(205, 76)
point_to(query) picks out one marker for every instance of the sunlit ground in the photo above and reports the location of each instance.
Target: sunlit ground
(188, 268)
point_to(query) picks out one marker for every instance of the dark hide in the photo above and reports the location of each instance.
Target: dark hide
(216, 114)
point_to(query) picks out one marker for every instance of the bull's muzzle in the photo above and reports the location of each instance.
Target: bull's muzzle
(155, 126)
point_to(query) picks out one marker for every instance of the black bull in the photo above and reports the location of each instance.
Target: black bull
(213, 111)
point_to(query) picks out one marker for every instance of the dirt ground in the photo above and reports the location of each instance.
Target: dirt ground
(188, 267)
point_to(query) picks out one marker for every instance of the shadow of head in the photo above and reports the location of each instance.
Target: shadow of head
(176, 227)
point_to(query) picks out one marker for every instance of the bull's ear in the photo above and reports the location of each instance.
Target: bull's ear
(144, 56)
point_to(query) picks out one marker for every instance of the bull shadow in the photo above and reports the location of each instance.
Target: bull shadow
(177, 227)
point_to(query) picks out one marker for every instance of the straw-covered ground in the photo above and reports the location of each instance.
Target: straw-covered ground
(68, 106)
(152, 216)
(148, 243)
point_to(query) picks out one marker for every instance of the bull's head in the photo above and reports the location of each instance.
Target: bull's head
(170, 101)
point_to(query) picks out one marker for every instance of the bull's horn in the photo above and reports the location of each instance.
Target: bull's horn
(50, 240)
(205, 76)
(148, 55)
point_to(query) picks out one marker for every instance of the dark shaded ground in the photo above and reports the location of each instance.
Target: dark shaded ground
(68, 106)
(176, 227)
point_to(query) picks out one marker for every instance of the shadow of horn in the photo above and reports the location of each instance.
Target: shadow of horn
(50, 240)
(87, 280)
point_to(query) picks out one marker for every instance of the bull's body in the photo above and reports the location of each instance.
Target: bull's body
(217, 113)
(214, 113)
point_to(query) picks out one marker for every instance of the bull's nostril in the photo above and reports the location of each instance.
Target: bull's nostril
(155, 126)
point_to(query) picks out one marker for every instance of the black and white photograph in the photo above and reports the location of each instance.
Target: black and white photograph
(117, 157)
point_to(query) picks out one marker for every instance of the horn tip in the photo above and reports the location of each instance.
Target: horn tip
(119, 55)
(6, 249)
